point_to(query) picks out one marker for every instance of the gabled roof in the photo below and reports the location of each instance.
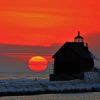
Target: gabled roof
(78, 48)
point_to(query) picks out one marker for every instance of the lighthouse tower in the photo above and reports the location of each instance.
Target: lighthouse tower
(72, 59)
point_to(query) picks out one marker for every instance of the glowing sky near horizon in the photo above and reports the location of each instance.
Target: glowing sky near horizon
(40, 22)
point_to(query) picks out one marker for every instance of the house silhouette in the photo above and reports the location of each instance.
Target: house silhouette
(71, 60)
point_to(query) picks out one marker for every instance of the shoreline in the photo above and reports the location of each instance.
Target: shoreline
(22, 87)
(28, 93)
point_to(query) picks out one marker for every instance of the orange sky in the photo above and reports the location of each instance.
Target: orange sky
(45, 22)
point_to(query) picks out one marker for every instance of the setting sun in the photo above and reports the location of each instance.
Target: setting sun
(37, 64)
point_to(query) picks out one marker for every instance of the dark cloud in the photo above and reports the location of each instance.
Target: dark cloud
(6, 48)
(94, 44)
(94, 41)
(14, 58)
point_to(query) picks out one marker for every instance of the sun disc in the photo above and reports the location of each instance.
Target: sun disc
(37, 64)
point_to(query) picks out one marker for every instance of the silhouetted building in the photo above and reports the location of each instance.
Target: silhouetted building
(72, 59)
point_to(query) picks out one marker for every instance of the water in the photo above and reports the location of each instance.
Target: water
(80, 96)
(4, 75)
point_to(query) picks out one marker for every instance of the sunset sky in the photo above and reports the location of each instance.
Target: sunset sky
(46, 24)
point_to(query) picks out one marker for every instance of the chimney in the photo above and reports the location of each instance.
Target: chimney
(86, 46)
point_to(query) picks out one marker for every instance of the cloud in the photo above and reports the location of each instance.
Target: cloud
(14, 58)
(44, 50)
(94, 39)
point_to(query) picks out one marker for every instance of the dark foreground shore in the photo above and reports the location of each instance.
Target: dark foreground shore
(47, 92)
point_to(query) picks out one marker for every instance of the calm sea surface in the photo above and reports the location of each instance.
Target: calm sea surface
(80, 96)
(22, 75)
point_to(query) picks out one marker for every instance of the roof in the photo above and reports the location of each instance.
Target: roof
(78, 48)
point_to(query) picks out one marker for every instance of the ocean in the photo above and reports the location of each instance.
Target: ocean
(23, 75)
